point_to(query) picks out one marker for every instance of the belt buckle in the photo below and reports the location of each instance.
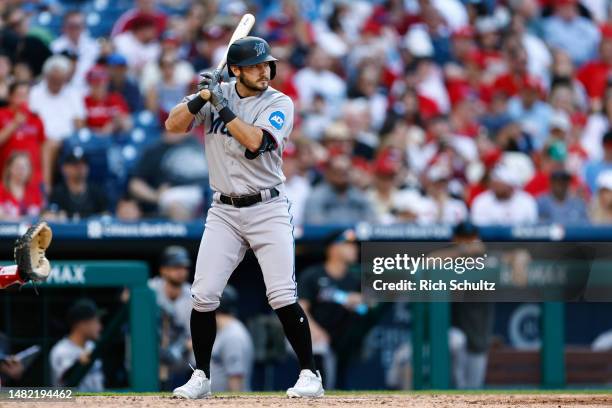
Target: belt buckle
(232, 200)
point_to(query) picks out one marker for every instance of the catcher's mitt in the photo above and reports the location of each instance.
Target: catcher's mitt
(30, 253)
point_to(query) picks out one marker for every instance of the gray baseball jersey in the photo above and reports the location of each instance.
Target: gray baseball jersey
(64, 354)
(232, 354)
(265, 227)
(230, 171)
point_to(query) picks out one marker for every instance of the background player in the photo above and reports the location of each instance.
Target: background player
(247, 124)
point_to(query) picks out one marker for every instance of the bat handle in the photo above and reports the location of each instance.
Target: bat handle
(205, 94)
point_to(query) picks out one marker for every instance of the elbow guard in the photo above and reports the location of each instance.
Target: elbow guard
(267, 144)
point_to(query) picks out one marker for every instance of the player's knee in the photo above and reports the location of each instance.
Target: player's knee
(282, 298)
(205, 302)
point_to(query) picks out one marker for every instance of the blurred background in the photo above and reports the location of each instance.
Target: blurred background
(412, 117)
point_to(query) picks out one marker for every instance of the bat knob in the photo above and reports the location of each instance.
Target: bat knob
(205, 94)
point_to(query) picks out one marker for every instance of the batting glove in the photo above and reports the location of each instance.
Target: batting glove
(209, 79)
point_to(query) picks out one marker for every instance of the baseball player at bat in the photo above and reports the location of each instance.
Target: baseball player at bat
(247, 124)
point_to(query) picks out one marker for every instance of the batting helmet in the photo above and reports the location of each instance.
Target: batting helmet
(250, 51)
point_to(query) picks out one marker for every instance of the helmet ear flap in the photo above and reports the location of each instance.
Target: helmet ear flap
(272, 69)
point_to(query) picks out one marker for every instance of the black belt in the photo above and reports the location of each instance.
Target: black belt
(246, 200)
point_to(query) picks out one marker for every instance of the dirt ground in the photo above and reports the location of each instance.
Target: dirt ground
(361, 400)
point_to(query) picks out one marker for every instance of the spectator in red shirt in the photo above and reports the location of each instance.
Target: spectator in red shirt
(18, 197)
(516, 59)
(22, 130)
(595, 74)
(107, 112)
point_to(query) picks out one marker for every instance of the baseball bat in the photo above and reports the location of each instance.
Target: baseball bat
(242, 30)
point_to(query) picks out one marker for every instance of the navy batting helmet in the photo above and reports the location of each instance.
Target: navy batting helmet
(250, 51)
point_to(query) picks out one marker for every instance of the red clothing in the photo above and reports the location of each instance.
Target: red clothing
(100, 113)
(594, 76)
(540, 184)
(30, 205)
(473, 190)
(509, 84)
(428, 108)
(29, 138)
(126, 20)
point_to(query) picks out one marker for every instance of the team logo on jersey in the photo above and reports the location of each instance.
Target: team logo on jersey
(277, 119)
(259, 48)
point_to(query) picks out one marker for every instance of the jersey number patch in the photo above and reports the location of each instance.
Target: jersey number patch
(277, 119)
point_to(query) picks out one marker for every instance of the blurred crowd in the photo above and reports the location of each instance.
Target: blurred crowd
(422, 111)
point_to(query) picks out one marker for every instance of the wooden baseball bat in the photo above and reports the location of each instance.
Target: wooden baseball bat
(242, 30)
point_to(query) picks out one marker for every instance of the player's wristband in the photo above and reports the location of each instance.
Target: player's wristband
(196, 104)
(226, 115)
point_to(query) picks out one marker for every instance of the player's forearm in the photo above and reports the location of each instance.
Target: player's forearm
(249, 136)
(143, 191)
(179, 119)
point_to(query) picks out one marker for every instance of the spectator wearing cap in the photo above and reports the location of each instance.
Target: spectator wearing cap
(317, 77)
(337, 139)
(107, 112)
(568, 30)
(122, 84)
(489, 45)
(560, 205)
(18, 196)
(74, 198)
(139, 44)
(594, 167)
(438, 206)
(173, 295)
(504, 203)
(72, 353)
(297, 187)
(154, 72)
(76, 40)
(385, 188)
(335, 200)
(601, 207)
(553, 158)
(22, 130)
(595, 74)
(531, 111)
(161, 97)
(147, 8)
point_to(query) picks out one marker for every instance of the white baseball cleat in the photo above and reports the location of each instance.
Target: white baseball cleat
(197, 387)
(307, 385)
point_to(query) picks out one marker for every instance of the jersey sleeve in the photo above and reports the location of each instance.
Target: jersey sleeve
(277, 119)
(199, 117)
